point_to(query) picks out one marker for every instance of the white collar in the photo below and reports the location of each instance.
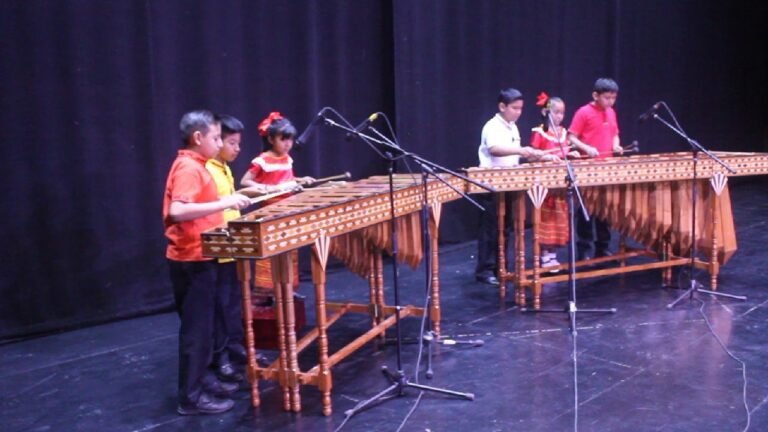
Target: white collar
(509, 125)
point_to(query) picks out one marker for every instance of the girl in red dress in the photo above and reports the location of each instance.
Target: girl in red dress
(272, 171)
(554, 211)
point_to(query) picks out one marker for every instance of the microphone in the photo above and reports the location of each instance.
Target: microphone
(365, 123)
(652, 110)
(310, 129)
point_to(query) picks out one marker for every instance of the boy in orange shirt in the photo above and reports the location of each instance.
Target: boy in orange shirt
(191, 205)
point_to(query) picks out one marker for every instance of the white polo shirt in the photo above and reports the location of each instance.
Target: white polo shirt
(498, 131)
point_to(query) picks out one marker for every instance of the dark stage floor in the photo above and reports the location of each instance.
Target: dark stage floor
(645, 368)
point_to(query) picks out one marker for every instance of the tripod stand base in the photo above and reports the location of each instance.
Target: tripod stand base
(610, 310)
(695, 289)
(571, 310)
(399, 383)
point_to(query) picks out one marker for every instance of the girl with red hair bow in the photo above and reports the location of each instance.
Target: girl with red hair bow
(552, 139)
(272, 171)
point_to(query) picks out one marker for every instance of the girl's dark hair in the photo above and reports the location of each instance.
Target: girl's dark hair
(544, 120)
(281, 127)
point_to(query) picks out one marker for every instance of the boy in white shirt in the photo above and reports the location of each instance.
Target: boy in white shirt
(499, 147)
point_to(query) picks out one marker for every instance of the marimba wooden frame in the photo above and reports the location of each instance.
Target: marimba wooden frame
(285, 370)
(272, 235)
(522, 277)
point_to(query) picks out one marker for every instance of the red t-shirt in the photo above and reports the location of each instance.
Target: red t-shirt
(190, 182)
(596, 126)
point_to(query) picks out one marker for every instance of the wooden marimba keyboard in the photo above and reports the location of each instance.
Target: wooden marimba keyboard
(645, 197)
(618, 170)
(350, 221)
(300, 219)
(637, 194)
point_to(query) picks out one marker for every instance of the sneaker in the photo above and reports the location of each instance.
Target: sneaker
(228, 373)
(220, 388)
(206, 404)
(550, 260)
(583, 255)
(603, 252)
(488, 280)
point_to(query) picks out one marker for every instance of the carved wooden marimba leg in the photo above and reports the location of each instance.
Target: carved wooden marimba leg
(719, 182)
(520, 279)
(622, 250)
(319, 261)
(244, 276)
(379, 277)
(536, 259)
(537, 194)
(714, 264)
(434, 227)
(666, 273)
(281, 275)
(372, 291)
(501, 211)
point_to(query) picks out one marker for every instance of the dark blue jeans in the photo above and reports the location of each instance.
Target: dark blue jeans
(593, 229)
(194, 289)
(229, 334)
(488, 234)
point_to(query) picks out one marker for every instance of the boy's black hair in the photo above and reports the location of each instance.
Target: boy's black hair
(281, 127)
(509, 95)
(605, 85)
(229, 125)
(195, 121)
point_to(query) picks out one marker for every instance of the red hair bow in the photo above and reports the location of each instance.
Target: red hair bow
(542, 99)
(264, 125)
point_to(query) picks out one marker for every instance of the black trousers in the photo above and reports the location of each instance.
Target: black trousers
(488, 234)
(593, 229)
(194, 289)
(228, 331)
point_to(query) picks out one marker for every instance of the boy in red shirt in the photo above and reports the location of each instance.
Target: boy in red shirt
(594, 132)
(192, 205)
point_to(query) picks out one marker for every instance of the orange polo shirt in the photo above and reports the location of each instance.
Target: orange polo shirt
(190, 182)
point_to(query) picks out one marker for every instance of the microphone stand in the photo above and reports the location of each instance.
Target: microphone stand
(399, 382)
(429, 336)
(572, 189)
(571, 308)
(696, 148)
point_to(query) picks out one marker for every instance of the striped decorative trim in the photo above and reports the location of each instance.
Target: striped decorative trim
(272, 167)
(551, 137)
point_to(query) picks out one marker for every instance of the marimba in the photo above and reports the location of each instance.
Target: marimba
(646, 197)
(352, 222)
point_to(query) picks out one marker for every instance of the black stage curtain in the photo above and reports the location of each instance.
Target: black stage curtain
(453, 57)
(92, 92)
